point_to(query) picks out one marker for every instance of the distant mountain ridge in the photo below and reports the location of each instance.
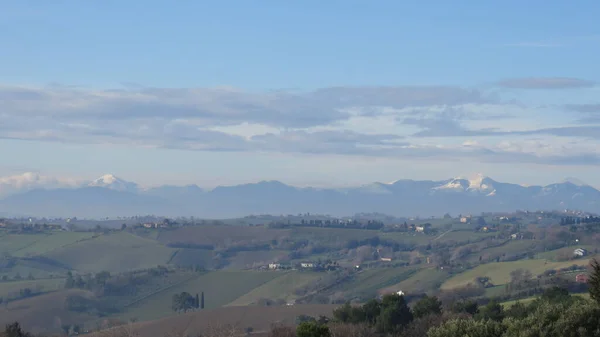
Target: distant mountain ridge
(110, 196)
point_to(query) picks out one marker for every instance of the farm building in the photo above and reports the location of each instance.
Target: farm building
(579, 252)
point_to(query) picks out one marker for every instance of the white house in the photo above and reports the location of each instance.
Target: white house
(420, 229)
(579, 252)
(307, 265)
(274, 266)
(400, 293)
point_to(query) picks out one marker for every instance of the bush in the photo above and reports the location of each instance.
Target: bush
(312, 329)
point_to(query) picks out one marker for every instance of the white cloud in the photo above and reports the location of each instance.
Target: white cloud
(409, 121)
(31, 180)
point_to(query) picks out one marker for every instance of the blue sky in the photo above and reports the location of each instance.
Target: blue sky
(306, 92)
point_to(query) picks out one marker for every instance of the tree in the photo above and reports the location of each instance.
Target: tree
(556, 295)
(69, 282)
(562, 319)
(594, 281)
(395, 314)
(492, 311)
(182, 302)
(15, 330)
(202, 301)
(197, 302)
(518, 310)
(469, 307)
(372, 310)
(312, 329)
(427, 306)
(467, 327)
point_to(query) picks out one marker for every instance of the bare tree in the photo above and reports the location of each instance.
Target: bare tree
(282, 331)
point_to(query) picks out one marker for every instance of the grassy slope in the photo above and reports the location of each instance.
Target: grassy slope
(115, 252)
(43, 313)
(281, 287)
(12, 243)
(194, 257)
(567, 251)
(52, 241)
(220, 288)
(462, 236)
(424, 280)
(12, 288)
(500, 272)
(509, 247)
(369, 282)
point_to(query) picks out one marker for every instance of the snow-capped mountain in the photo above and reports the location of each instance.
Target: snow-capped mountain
(479, 184)
(114, 183)
(112, 196)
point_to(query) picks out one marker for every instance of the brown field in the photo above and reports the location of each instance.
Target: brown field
(43, 313)
(260, 319)
(216, 235)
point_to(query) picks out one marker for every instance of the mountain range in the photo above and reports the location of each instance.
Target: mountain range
(110, 196)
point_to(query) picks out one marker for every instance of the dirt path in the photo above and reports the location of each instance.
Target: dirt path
(444, 233)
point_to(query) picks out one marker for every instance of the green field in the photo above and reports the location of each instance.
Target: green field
(219, 287)
(49, 242)
(499, 272)
(369, 282)
(282, 287)
(507, 248)
(116, 252)
(463, 236)
(424, 280)
(193, 257)
(11, 289)
(12, 243)
(565, 251)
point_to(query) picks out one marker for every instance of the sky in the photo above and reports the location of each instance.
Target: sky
(310, 93)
